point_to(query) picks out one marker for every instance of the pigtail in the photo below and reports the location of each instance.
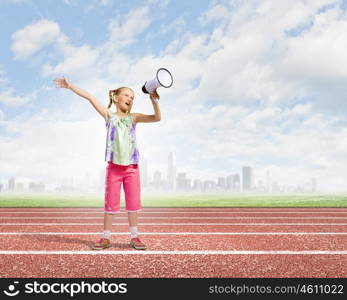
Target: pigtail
(110, 94)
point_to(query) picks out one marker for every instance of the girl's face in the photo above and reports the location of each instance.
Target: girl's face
(124, 100)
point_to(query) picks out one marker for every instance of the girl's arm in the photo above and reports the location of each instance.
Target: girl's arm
(63, 83)
(150, 118)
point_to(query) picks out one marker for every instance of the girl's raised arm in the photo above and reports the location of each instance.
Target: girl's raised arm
(64, 83)
(156, 117)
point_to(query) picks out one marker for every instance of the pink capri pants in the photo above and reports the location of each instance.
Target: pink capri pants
(130, 177)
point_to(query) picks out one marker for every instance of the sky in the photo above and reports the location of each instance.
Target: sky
(256, 83)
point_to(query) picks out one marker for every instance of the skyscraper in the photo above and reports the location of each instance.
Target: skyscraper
(222, 183)
(11, 184)
(229, 183)
(171, 172)
(198, 185)
(247, 179)
(183, 183)
(236, 183)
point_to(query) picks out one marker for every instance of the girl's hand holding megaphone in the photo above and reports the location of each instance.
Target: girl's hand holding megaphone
(154, 96)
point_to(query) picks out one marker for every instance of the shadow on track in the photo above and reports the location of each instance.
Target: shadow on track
(75, 241)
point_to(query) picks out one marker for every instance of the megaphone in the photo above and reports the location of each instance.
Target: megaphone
(163, 78)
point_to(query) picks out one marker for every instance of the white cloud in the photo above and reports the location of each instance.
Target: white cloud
(177, 25)
(7, 97)
(77, 61)
(215, 13)
(32, 38)
(319, 51)
(315, 61)
(123, 30)
(55, 146)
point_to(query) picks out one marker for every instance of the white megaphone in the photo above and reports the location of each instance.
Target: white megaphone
(163, 78)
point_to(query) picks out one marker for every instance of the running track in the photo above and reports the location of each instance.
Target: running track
(182, 242)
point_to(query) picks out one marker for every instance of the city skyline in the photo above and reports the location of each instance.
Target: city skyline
(174, 181)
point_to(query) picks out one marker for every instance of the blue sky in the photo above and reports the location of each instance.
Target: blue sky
(257, 83)
(86, 22)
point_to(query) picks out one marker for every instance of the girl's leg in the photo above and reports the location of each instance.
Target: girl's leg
(112, 203)
(132, 190)
(107, 225)
(132, 218)
(105, 241)
(108, 221)
(131, 184)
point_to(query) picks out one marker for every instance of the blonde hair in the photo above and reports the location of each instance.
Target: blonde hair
(113, 93)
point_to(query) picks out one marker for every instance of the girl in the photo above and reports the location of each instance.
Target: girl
(121, 155)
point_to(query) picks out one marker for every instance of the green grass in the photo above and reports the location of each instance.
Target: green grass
(234, 200)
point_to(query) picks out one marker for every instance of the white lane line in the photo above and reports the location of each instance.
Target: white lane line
(175, 224)
(178, 212)
(222, 210)
(172, 208)
(176, 233)
(169, 208)
(174, 252)
(187, 218)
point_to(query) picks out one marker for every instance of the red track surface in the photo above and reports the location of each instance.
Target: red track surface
(230, 229)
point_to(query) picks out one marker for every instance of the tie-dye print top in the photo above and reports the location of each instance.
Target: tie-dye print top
(121, 146)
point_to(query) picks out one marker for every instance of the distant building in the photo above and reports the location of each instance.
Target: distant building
(247, 179)
(229, 183)
(222, 183)
(11, 184)
(183, 183)
(198, 185)
(36, 187)
(171, 172)
(236, 182)
(209, 186)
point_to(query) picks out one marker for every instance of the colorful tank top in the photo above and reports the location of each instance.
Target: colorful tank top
(121, 146)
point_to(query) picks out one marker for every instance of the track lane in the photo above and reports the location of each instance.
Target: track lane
(180, 242)
(174, 220)
(183, 265)
(175, 228)
(163, 266)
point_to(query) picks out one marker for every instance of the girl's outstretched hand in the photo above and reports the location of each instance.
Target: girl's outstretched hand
(61, 83)
(154, 96)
